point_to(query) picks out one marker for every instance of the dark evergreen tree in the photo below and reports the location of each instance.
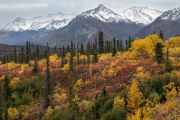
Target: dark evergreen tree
(91, 49)
(15, 55)
(27, 60)
(6, 117)
(63, 52)
(11, 57)
(111, 47)
(47, 85)
(101, 43)
(22, 55)
(114, 47)
(88, 53)
(168, 66)
(68, 49)
(55, 50)
(19, 58)
(78, 61)
(96, 44)
(75, 73)
(71, 63)
(121, 46)
(7, 90)
(62, 64)
(159, 52)
(84, 61)
(7, 58)
(1, 103)
(4, 59)
(104, 92)
(37, 52)
(82, 49)
(126, 45)
(35, 67)
(95, 56)
(161, 35)
(129, 42)
(30, 55)
(118, 46)
(33, 53)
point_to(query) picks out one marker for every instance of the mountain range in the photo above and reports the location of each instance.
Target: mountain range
(59, 28)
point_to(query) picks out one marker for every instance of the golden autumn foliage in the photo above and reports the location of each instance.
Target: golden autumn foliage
(134, 98)
(0, 63)
(120, 103)
(68, 56)
(66, 68)
(24, 66)
(42, 63)
(173, 42)
(104, 57)
(11, 65)
(13, 113)
(171, 92)
(49, 112)
(85, 106)
(77, 86)
(141, 75)
(136, 116)
(144, 48)
(53, 58)
(14, 82)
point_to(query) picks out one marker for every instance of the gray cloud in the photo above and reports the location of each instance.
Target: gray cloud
(11, 9)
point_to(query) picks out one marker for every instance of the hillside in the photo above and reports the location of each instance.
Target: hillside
(127, 86)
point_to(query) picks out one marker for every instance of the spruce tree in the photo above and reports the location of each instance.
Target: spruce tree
(82, 49)
(111, 47)
(55, 50)
(126, 45)
(75, 73)
(121, 46)
(4, 59)
(130, 42)
(95, 56)
(88, 53)
(15, 55)
(63, 52)
(7, 90)
(71, 64)
(37, 52)
(161, 35)
(1, 103)
(11, 57)
(27, 54)
(114, 47)
(22, 55)
(158, 52)
(118, 47)
(168, 66)
(101, 43)
(78, 61)
(6, 117)
(30, 56)
(35, 67)
(47, 85)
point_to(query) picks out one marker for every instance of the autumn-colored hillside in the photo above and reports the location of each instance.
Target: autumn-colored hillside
(131, 85)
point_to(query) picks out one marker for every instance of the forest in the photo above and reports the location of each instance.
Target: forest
(108, 80)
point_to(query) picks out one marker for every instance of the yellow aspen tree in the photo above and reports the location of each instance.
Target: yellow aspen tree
(134, 97)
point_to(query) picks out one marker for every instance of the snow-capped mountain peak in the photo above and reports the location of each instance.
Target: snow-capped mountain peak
(173, 14)
(104, 14)
(50, 22)
(141, 15)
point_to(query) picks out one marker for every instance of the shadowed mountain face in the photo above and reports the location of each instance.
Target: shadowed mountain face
(168, 23)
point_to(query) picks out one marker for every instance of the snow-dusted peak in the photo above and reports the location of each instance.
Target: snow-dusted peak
(104, 14)
(39, 22)
(173, 14)
(142, 15)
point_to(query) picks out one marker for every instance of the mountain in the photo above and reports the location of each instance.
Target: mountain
(86, 26)
(141, 15)
(168, 23)
(50, 22)
(36, 30)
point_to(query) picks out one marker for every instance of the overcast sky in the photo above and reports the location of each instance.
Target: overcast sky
(11, 9)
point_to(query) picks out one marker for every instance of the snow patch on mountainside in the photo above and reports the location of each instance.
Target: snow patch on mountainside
(142, 15)
(50, 22)
(105, 15)
(173, 14)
